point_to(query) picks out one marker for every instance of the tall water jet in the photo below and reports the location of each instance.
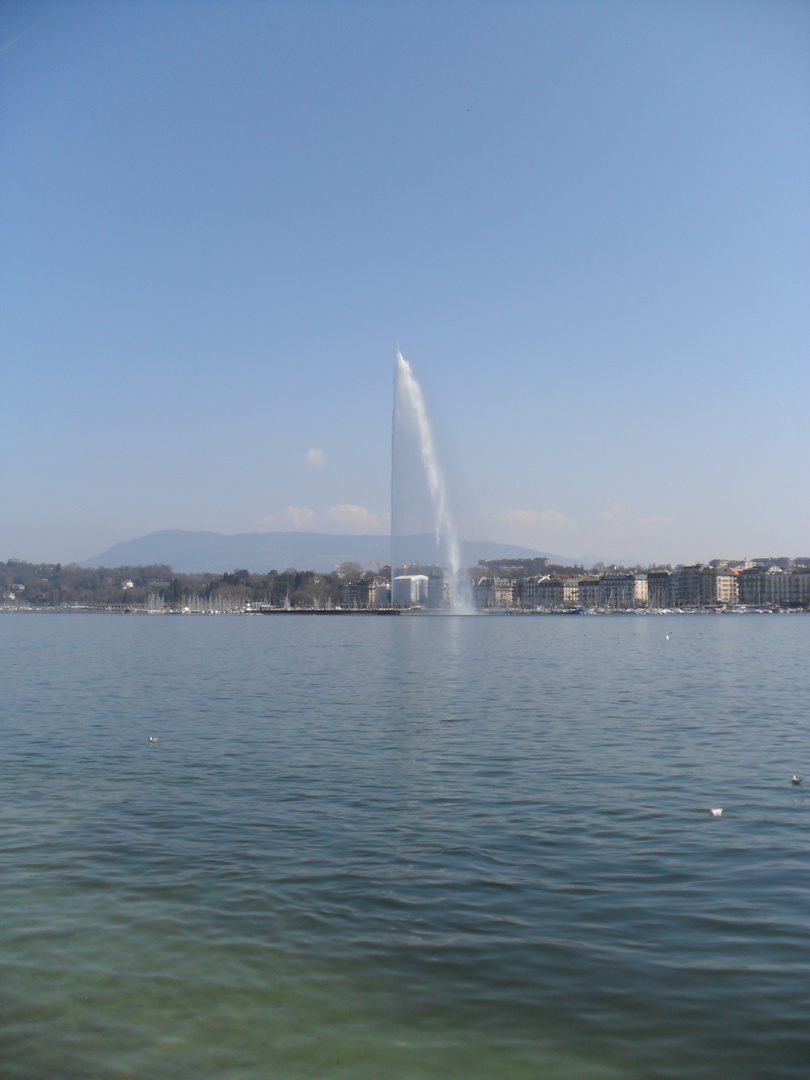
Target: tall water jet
(419, 501)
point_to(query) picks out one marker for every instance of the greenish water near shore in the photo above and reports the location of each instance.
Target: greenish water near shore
(403, 848)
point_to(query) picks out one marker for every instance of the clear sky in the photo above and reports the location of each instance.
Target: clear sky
(585, 224)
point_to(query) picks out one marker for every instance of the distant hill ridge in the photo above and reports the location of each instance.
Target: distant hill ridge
(190, 552)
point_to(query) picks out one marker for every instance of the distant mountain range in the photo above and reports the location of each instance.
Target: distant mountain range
(200, 552)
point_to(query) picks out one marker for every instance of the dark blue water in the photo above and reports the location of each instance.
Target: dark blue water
(412, 847)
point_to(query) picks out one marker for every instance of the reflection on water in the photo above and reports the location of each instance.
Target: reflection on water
(403, 847)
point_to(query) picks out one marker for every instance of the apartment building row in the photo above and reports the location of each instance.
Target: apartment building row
(614, 590)
(685, 586)
(697, 586)
(774, 586)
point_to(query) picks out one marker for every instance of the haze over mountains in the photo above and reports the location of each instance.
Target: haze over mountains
(198, 552)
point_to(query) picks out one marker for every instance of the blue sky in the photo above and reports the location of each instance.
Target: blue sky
(585, 225)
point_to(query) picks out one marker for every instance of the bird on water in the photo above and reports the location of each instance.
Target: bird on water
(154, 738)
(716, 811)
(795, 780)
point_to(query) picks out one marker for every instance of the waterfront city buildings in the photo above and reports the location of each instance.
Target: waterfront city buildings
(720, 585)
(514, 586)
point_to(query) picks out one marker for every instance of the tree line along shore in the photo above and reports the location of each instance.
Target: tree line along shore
(46, 585)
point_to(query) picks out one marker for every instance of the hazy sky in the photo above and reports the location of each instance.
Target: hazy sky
(585, 224)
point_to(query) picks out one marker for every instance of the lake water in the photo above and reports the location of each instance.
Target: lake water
(403, 847)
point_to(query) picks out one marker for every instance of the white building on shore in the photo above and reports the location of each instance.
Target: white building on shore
(410, 590)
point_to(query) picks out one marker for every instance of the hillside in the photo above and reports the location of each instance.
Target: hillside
(197, 552)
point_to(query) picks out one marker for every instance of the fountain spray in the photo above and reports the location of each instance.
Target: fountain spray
(410, 413)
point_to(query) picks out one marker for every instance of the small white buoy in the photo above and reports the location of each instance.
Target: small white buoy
(716, 811)
(795, 780)
(154, 738)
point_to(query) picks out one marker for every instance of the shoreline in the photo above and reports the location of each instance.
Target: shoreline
(410, 613)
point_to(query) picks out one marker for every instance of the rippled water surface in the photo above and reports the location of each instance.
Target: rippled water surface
(403, 847)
